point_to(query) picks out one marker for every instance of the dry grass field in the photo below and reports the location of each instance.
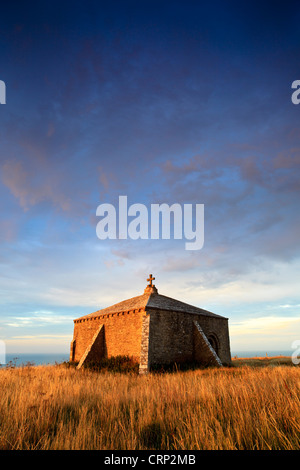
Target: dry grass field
(252, 405)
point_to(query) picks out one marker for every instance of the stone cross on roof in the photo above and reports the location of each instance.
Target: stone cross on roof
(150, 279)
(150, 289)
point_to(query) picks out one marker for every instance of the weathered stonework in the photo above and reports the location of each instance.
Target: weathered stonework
(203, 350)
(152, 329)
(144, 357)
(95, 349)
(121, 333)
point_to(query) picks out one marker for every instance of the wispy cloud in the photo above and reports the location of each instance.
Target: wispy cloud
(293, 306)
(31, 189)
(263, 333)
(263, 324)
(38, 319)
(40, 336)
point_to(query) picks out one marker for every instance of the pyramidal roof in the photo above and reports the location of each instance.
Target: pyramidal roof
(151, 299)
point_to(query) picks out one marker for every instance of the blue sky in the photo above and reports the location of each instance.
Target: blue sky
(165, 102)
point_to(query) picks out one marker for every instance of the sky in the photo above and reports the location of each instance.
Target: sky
(185, 102)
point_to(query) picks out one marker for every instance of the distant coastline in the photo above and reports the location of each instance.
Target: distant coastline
(43, 359)
(36, 359)
(261, 353)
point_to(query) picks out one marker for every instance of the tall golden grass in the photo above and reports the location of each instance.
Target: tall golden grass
(243, 407)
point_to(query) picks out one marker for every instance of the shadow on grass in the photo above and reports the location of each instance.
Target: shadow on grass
(123, 364)
(156, 436)
(179, 367)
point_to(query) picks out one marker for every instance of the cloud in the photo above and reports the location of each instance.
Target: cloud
(250, 200)
(180, 264)
(265, 333)
(31, 188)
(40, 336)
(287, 160)
(40, 343)
(15, 178)
(8, 230)
(288, 306)
(37, 319)
(269, 324)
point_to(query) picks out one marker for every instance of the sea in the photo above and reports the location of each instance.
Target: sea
(21, 359)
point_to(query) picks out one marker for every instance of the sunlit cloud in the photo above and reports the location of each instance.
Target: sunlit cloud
(265, 333)
(45, 343)
(288, 306)
(37, 319)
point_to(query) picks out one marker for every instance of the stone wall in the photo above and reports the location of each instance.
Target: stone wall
(95, 350)
(217, 328)
(172, 336)
(122, 334)
(204, 353)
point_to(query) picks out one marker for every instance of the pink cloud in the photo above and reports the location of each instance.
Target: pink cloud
(51, 129)
(285, 160)
(8, 230)
(16, 179)
(30, 190)
(250, 170)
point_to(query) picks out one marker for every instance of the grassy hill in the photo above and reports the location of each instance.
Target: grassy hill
(253, 405)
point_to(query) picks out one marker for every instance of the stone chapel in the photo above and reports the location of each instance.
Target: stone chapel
(153, 329)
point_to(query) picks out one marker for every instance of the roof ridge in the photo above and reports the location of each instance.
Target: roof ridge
(172, 303)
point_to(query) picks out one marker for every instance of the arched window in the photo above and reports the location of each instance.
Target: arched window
(214, 342)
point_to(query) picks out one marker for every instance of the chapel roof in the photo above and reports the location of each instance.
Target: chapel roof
(151, 299)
